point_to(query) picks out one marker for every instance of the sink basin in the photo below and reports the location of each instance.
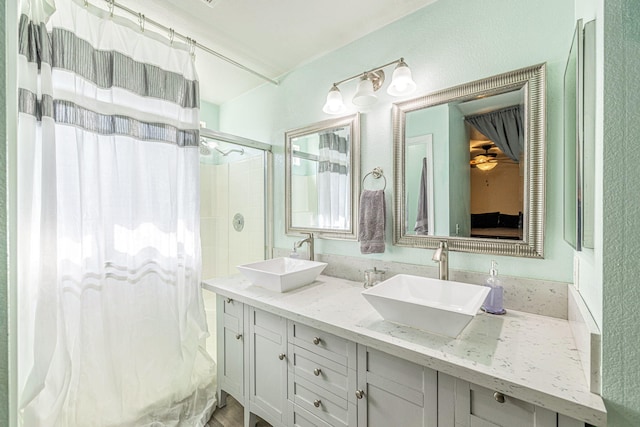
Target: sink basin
(440, 306)
(282, 274)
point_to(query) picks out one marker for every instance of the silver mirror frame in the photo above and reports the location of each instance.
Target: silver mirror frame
(534, 82)
(353, 121)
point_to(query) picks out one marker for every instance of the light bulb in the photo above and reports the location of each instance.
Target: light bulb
(334, 104)
(364, 96)
(401, 81)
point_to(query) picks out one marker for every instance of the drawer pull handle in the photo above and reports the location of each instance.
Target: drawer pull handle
(317, 372)
(359, 394)
(281, 356)
(317, 403)
(499, 397)
(317, 340)
(238, 336)
(229, 300)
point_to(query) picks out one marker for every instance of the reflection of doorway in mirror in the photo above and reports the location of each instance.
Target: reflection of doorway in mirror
(419, 148)
(497, 195)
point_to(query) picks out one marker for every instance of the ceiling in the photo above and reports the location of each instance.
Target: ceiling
(270, 37)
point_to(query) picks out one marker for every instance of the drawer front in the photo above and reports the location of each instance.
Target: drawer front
(322, 343)
(395, 369)
(482, 407)
(318, 370)
(330, 408)
(232, 307)
(265, 321)
(299, 417)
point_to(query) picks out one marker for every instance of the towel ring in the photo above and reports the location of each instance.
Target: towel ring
(376, 173)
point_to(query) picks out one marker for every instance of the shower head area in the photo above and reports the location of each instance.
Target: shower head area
(206, 146)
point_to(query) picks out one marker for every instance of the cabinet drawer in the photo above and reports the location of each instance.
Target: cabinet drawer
(267, 322)
(299, 417)
(323, 404)
(323, 372)
(232, 307)
(324, 344)
(392, 368)
(479, 406)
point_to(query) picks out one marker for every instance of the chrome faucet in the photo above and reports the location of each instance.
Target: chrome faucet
(441, 256)
(309, 241)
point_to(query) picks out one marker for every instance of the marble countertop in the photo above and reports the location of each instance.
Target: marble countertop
(526, 356)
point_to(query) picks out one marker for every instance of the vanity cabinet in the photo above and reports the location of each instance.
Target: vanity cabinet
(464, 404)
(395, 392)
(267, 366)
(230, 348)
(291, 374)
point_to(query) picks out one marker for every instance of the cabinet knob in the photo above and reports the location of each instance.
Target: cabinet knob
(317, 403)
(499, 397)
(281, 356)
(317, 340)
(359, 394)
(238, 336)
(229, 300)
(317, 372)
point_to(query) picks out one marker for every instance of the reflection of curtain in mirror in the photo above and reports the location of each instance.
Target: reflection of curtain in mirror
(504, 128)
(334, 189)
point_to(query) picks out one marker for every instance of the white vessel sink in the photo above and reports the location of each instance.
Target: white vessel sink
(440, 306)
(282, 274)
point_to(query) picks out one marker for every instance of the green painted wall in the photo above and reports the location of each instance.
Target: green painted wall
(210, 114)
(459, 175)
(434, 121)
(621, 213)
(446, 44)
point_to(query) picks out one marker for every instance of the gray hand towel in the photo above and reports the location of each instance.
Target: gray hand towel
(372, 217)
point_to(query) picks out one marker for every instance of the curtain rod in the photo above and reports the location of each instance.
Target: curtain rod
(189, 40)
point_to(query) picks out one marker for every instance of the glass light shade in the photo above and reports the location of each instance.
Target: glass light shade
(364, 96)
(401, 82)
(483, 162)
(334, 104)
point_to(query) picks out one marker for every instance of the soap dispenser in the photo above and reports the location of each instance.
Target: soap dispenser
(494, 302)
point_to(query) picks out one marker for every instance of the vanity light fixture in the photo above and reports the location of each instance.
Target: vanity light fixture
(370, 81)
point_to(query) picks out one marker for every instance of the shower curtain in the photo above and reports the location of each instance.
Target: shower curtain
(334, 196)
(111, 317)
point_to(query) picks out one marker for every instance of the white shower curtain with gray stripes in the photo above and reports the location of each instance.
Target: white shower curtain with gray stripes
(111, 317)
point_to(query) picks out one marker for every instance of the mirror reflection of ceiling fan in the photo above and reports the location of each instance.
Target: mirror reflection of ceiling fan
(486, 156)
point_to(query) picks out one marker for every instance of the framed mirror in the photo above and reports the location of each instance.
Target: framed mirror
(322, 178)
(579, 138)
(469, 166)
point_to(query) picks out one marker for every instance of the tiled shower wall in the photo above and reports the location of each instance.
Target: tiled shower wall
(227, 189)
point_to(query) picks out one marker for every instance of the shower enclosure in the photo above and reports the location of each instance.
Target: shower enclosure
(235, 209)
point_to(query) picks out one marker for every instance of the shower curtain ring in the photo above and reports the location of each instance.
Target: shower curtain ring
(86, 3)
(192, 49)
(172, 35)
(141, 21)
(111, 6)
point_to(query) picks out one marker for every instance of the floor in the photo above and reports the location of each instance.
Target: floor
(232, 415)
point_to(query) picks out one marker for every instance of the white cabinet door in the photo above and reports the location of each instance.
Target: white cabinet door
(476, 406)
(267, 366)
(230, 347)
(394, 392)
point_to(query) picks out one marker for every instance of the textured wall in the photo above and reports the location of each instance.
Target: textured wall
(447, 43)
(621, 224)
